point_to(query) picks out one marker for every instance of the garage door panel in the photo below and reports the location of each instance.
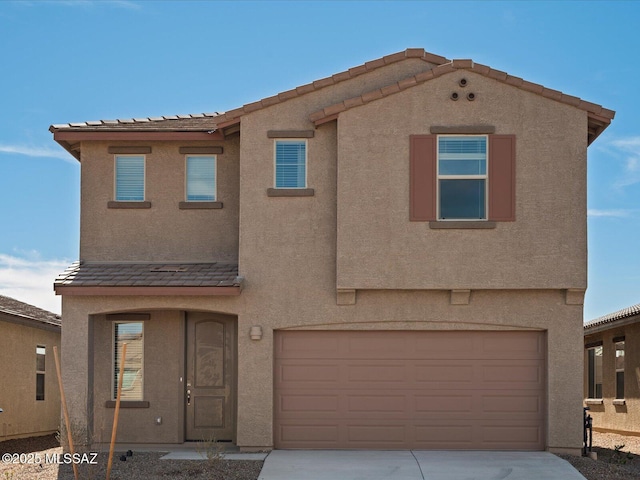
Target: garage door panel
(309, 373)
(512, 403)
(308, 403)
(451, 404)
(397, 390)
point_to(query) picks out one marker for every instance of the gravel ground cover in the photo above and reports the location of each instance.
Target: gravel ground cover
(139, 466)
(618, 459)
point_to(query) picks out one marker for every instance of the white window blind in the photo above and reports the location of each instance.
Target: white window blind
(130, 333)
(130, 178)
(462, 177)
(201, 179)
(291, 164)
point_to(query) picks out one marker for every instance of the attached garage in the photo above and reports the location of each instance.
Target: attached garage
(466, 390)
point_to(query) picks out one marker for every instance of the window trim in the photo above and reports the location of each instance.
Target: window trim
(502, 175)
(619, 370)
(484, 177)
(591, 395)
(113, 378)
(41, 372)
(144, 179)
(215, 179)
(306, 162)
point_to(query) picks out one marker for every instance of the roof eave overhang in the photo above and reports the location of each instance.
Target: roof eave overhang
(71, 139)
(601, 327)
(146, 291)
(29, 322)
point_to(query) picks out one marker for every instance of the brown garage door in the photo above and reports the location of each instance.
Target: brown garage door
(407, 389)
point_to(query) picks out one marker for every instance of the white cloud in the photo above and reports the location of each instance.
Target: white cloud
(31, 151)
(629, 148)
(619, 213)
(29, 278)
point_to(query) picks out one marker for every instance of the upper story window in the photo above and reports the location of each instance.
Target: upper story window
(619, 369)
(201, 178)
(462, 177)
(291, 163)
(129, 178)
(594, 356)
(130, 333)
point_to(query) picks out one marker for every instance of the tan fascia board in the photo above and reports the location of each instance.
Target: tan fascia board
(73, 135)
(146, 291)
(613, 324)
(599, 116)
(71, 139)
(29, 322)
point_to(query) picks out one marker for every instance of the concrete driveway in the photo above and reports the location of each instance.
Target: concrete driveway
(414, 465)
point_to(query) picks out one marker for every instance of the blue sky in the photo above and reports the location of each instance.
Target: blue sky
(76, 60)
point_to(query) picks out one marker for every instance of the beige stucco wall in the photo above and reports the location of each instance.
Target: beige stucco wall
(354, 233)
(164, 232)
(545, 247)
(23, 415)
(607, 416)
(377, 310)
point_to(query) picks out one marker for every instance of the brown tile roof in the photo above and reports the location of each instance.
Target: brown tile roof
(207, 121)
(187, 123)
(11, 306)
(150, 275)
(625, 313)
(599, 117)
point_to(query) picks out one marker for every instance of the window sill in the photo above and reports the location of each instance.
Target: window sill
(199, 205)
(462, 225)
(116, 204)
(619, 401)
(594, 401)
(290, 192)
(127, 404)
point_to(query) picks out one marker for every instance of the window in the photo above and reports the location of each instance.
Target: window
(201, 178)
(130, 333)
(595, 371)
(41, 352)
(130, 178)
(475, 181)
(462, 177)
(619, 369)
(291, 163)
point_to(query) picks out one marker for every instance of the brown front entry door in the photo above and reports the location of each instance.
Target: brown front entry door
(210, 387)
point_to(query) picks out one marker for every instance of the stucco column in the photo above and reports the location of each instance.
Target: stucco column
(565, 379)
(255, 388)
(77, 368)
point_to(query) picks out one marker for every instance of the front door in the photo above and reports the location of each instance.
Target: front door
(210, 387)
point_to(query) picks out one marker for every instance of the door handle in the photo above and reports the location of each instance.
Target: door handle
(188, 397)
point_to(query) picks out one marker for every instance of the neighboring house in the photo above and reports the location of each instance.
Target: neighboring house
(391, 257)
(29, 392)
(612, 371)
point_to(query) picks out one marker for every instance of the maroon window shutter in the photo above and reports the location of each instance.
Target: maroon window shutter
(502, 178)
(422, 187)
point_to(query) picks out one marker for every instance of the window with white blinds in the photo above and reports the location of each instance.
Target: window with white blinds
(462, 177)
(201, 178)
(291, 164)
(131, 333)
(130, 178)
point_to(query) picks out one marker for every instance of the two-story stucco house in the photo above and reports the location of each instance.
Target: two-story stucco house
(391, 257)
